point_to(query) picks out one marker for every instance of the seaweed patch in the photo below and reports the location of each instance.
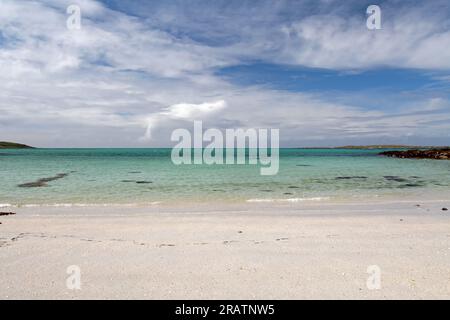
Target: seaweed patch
(43, 182)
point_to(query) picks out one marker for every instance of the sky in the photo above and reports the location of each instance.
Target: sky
(137, 70)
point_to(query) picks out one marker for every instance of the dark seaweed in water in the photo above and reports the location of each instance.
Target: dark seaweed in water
(395, 178)
(411, 185)
(440, 184)
(42, 182)
(143, 182)
(352, 177)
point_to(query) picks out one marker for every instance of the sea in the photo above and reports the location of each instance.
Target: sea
(145, 177)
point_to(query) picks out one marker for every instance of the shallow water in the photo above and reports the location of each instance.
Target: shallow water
(148, 176)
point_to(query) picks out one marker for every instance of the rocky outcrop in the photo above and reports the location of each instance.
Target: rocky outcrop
(438, 154)
(7, 213)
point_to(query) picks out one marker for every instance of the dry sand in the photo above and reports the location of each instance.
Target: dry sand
(297, 251)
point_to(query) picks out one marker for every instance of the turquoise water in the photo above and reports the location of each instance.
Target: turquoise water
(147, 176)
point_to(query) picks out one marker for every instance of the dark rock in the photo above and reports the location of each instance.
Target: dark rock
(7, 213)
(444, 209)
(143, 182)
(128, 180)
(437, 154)
(293, 187)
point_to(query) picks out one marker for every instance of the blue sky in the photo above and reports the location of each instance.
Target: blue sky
(300, 79)
(136, 70)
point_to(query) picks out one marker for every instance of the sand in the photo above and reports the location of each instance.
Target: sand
(254, 251)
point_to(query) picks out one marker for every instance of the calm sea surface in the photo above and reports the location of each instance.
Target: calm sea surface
(148, 176)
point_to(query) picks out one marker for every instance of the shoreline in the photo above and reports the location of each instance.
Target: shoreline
(237, 252)
(263, 204)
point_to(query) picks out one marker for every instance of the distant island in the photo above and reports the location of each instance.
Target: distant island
(12, 145)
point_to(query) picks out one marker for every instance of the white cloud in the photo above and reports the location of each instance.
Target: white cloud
(191, 111)
(183, 111)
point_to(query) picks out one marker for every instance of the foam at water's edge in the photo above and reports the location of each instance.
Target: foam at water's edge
(289, 199)
(68, 205)
(5, 205)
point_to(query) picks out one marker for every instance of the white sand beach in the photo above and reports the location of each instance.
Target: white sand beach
(254, 251)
